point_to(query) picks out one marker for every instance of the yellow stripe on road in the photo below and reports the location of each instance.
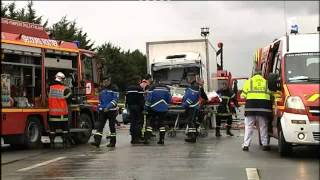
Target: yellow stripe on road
(252, 174)
(41, 164)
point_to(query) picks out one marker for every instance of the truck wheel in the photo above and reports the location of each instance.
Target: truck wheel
(285, 148)
(85, 123)
(32, 135)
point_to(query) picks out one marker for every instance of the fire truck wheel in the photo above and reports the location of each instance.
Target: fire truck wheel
(86, 123)
(32, 135)
(285, 148)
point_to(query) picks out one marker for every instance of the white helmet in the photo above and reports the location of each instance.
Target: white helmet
(59, 76)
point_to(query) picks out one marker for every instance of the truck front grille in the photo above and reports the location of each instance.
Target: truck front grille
(316, 136)
(314, 110)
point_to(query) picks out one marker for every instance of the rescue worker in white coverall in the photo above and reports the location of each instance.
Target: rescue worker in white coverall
(258, 109)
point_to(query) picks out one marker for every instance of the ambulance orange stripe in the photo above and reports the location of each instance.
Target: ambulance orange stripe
(286, 91)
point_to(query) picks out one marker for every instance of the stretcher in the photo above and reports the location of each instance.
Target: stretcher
(203, 127)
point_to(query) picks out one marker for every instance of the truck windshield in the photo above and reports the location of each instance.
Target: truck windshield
(302, 67)
(175, 76)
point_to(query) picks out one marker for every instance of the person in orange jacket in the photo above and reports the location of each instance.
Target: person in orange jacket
(58, 108)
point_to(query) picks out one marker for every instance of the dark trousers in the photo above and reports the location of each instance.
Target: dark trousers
(103, 117)
(136, 123)
(191, 118)
(155, 117)
(228, 118)
(54, 125)
(152, 117)
(201, 115)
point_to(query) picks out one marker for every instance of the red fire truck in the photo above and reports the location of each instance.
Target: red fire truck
(291, 65)
(29, 62)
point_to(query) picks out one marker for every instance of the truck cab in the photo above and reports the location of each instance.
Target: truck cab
(292, 69)
(172, 70)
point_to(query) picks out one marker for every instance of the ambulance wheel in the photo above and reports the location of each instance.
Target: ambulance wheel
(83, 122)
(32, 135)
(285, 148)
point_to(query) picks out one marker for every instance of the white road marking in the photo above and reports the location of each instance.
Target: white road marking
(252, 174)
(41, 164)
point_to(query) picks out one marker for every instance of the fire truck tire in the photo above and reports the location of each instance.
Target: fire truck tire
(84, 122)
(32, 135)
(285, 148)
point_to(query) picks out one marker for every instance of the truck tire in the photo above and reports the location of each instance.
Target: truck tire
(32, 135)
(84, 121)
(285, 148)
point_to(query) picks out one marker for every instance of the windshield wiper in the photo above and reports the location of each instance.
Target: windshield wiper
(303, 78)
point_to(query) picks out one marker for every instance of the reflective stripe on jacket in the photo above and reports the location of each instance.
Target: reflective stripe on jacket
(224, 107)
(159, 98)
(258, 101)
(109, 98)
(57, 101)
(191, 97)
(256, 88)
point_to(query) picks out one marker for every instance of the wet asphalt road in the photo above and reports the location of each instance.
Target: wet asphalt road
(209, 159)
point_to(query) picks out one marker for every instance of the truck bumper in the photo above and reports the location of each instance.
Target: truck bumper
(306, 134)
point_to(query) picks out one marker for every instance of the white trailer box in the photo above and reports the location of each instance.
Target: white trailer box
(170, 61)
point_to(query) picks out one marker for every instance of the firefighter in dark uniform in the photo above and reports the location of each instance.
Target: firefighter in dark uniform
(203, 100)
(157, 104)
(59, 96)
(135, 104)
(190, 103)
(108, 110)
(224, 108)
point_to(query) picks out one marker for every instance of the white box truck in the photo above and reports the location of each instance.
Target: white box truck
(170, 61)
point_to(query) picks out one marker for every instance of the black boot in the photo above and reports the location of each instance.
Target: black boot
(197, 129)
(191, 138)
(64, 141)
(161, 139)
(218, 132)
(147, 136)
(97, 140)
(135, 139)
(112, 141)
(229, 131)
(52, 137)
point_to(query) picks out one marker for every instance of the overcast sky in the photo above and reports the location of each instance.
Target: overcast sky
(243, 26)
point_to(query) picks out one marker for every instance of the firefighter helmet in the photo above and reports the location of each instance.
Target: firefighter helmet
(60, 77)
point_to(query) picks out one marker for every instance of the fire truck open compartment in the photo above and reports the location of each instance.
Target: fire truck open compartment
(24, 73)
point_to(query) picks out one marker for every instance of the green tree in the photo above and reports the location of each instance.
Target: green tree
(68, 31)
(121, 65)
(26, 14)
(4, 9)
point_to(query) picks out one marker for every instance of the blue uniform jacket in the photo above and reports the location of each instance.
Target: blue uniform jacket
(108, 98)
(191, 97)
(158, 98)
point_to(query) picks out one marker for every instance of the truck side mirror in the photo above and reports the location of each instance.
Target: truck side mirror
(274, 82)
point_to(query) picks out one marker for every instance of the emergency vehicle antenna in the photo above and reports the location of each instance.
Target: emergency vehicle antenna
(285, 17)
(285, 24)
